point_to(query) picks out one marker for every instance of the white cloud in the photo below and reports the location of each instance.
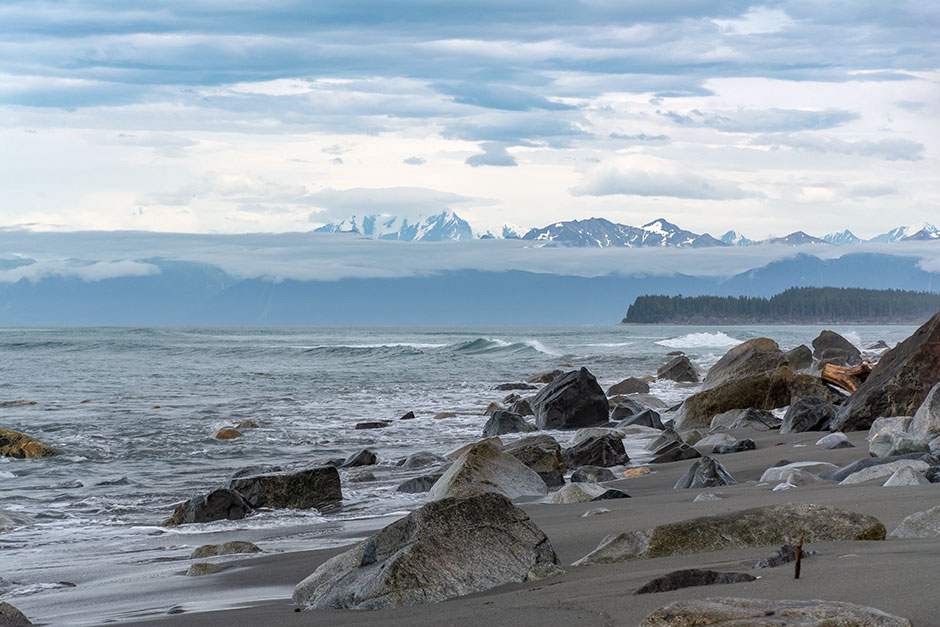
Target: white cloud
(634, 178)
(86, 271)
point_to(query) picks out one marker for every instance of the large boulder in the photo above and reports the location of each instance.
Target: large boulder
(889, 442)
(926, 422)
(592, 474)
(627, 408)
(541, 453)
(582, 492)
(571, 401)
(12, 617)
(645, 418)
(630, 385)
(220, 504)
(920, 525)
(678, 369)
(417, 485)
(10, 520)
(747, 359)
(884, 470)
(313, 487)
(705, 473)
(805, 385)
(502, 422)
(767, 390)
(760, 526)
(839, 474)
(828, 342)
(22, 446)
(759, 419)
(421, 459)
(603, 451)
(769, 613)
(484, 467)
(898, 384)
(800, 357)
(446, 549)
(807, 414)
(674, 451)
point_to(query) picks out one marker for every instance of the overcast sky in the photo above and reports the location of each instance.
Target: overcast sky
(230, 116)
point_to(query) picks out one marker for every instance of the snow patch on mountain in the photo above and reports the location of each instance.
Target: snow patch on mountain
(444, 226)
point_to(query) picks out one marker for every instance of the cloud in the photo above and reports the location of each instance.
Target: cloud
(640, 137)
(399, 201)
(891, 149)
(762, 120)
(631, 180)
(85, 270)
(414, 161)
(493, 154)
(499, 97)
(872, 190)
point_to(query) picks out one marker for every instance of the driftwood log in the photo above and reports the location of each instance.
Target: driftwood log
(847, 378)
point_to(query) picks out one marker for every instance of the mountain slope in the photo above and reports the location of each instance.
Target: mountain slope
(440, 227)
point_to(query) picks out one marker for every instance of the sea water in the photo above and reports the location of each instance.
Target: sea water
(133, 411)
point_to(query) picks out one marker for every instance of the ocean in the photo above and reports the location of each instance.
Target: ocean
(133, 411)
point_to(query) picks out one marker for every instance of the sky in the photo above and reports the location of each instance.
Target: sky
(215, 117)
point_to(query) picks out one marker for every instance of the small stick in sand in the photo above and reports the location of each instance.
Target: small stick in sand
(799, 555)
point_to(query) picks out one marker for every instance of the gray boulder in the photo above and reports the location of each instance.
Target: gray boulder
(932, 474)
(747, 359)
(313, 487)
(522, 407)
(12, 617)
(417, 485)
(664, 438)
(692, 577)
(674, 452)
(839, 474)
(502, 422)
(899, 423)
(631, 385)
(760, 526)
(759, 419)
(446, 549)
(807, 414)
(678, 369)
(906, 476)
(800, 357)
(591, 474)
(626, 409)
(582, 492)
(766, 390)
(572, 401)
(715, 438)
(890, 442)
(220, 504)
(365, 457)
(603, 451)
(926, 423)
(542, 454)
(830, 344)
(232, 547)
(545, 377)
(834, 440)
(769, 613)
(739, 446)
(484, 467)
(883, 470)
(422, 459)
(645, 418)
(705, 473)
(920, 525)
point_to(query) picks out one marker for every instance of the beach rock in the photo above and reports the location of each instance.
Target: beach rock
(883, 470)
(578, 493)
(365, 457)
(905, 477)
(505, 387)
(443, 415)
(769, 613)
(715, 438)
(232, 547)
(422, 459)
(767, 390)
(799, 358)
(542, 454)
(665, 437)
(932, 474)
(362, 476)
(484, 467)
(10, 520)
(838, 474)
(446, 549)
(747, 359)
(804, 385)
(890, 442)
(545, 377)
(420, 484)
(227, 433)
(926, 422)
(591, 474)
(12, 617)
(898, 423)
(627, 408)
(511, 398)
(494, 406)
(647, 400)
(706, 496)
(691, 437)
(494, 442)
(597, 511)
(920, 525)
(678, 369)
(645, 418)
(610, 494)
(760, 526)
(313, 487)
(503, 422)
(880, 345)
(705, 473)
(828, 342)
(692, 577)
(740, 446)
(789, 475)
(898, 384)
(372, 424)
(674, 452)
(522, 407)
(629, 386)
(571, 401)
(409, 416)
(595, 432)
(759, 419)
(632, 473)
(639, 430)
(205, 568)
(807, 414)
(834, 440)
(220, 504)
(603, 451)
(248, 424)
(784, 555)
(256, 469)
(22, 446)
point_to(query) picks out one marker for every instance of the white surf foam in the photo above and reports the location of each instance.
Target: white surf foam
(701, 340)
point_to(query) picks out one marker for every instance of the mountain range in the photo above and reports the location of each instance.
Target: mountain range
(595, 233)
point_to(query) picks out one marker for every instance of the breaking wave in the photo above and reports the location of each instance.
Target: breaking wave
(701, 340)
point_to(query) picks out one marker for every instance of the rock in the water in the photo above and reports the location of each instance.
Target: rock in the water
(372, 424)
(629, 386)
(220, 504)
(232, 547)
(767, 390)
(205, 568)
(674, 452)
(409, 416)
(926, 423)
(422, 459)
(834, 440)
(920, 525)
(10, 520)
(760, 526)
(443, 415)
(365, 457)
(22, 446)
(522, 407)
(627, 408)
(12, 617)
(692, 577)
(502, 422)
(890, 442)
(747, 359)
(591, 474)
(541, 453)
(603, 451)
(678, 369)
(759, 419)
(446, 549)
(313, 487)
(572, 401)
(800, 357)
(505, 387)
(807, 414)
(545, 377)
(494, 406)
(645, 418)
(769, 613)
(485, 468)
(905, 477)
(832, 341)
(883, 470)
(898, 384)
(705, 473)
(420, 484)
(362, 476)
(740, 446)
(227, 433)
(595, 432)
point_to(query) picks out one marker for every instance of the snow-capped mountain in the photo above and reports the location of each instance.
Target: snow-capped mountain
(733, 238)
(797, 238)
(441, 227)
(506, 231)
(894, 235)
(928, 232)
(601, 233)
(844, 238)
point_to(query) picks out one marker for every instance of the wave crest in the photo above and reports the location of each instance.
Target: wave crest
(701, 340)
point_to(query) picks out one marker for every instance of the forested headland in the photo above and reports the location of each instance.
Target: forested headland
(797, 305)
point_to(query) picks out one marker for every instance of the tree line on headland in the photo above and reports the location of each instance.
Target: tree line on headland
(797, 305)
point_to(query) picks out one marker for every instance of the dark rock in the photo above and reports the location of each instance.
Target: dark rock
(502, 422)
(705, 473)
(692, 577)
(603, 451)
(898, 384)
(807, 414)
(22, 446)
(409, 416)
(233, 547)
(880, 345)
(668, 435)
(365, 457)
(363, 476)
(840, 444)
(545, 377)
(333, 461)
(674, 452)
(176, 609)
(678, 369)
(647, 400)
(768, 390)
(625, 409)
(834, 356)
(805, 385)
(420, 484)
(674, 353)
(932, 474)
(610, 494)
(831, 342)
(375, 424)
(199, 569)
(421, 459)
(220, 504)
(759, 419)
(591, 474)
(646, 418)
(541, 453)
(12, 617)
(484, 467)
(522, 407)
(446, 549)
(505, 387)
(800, 357)
(748, 359)
(841, 473)
(572, 401)
(257, 469)
(629, 386)
(760, 526)
(313, 487)
(767, 613)
(783, 555)
(746, 444)
(511, 398)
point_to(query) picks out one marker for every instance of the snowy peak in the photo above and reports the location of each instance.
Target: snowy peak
(441, 227)
(894, 235)
(797, 238)
(601, 233)
(733, 238)
(845, 238)
(928, 232)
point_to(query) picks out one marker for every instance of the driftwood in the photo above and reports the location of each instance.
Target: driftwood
(845, 377)
(799, 556)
